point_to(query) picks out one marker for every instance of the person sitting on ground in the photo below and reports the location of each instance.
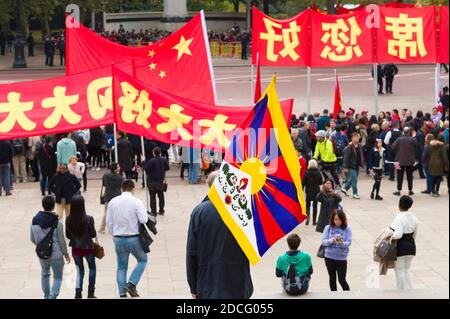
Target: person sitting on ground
(294, 267)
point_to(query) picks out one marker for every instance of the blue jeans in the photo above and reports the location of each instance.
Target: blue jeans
(193, 173)
(352, 180)
(57, 266)
(125, 247)
(5, 172)
(80, 271)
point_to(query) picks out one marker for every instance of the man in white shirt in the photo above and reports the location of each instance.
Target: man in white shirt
(125, 214)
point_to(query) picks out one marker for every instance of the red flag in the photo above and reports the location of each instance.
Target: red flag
(180, 63)
(258, 82)
(337, 99)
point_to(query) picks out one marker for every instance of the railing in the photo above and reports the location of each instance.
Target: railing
(225, 49)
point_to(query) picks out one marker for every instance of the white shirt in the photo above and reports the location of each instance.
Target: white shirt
(404, 223)
(387, 138)
(77, 169)
(125, 213)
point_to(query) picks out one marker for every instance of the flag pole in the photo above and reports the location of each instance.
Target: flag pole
(437, 85)
(116, 151)
(308, 89)
(147, 199)
(252, 91)
(375, 86)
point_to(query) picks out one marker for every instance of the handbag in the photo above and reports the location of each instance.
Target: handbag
(321, 251)
(144, 238)
(99, 250)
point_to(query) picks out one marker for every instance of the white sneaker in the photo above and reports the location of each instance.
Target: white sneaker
(344, 191)
(93, 169)
(356, 196)
(97, 169)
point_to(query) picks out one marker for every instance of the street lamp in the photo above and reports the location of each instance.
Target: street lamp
(19, 44)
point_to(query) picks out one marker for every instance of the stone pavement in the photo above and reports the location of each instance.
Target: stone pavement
(165, 276)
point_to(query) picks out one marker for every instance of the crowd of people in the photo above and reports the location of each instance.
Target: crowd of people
(332, 151)
(134, 37)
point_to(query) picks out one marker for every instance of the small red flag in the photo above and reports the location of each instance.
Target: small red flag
(337, 99)
(258, 82)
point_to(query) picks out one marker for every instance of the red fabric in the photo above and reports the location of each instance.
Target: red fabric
(337, 99)
(91, 103)
(395, 4)
(189, 75)
(443, 35)
(158, 100)
(280, 55)
(427, 16)
(258, 90)
(356, 49)
(303, 166)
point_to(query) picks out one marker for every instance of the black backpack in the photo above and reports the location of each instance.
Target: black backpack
(44, 248)
(292, 283)
(19, 146)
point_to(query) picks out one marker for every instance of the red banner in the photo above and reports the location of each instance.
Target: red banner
(396, 4)
(146, 111)
(179, 63)
(407, 35)
(338, 40)
(56, 105)
(280, 42)
(443, 35)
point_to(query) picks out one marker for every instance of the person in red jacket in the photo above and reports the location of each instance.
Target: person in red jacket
(303, 164)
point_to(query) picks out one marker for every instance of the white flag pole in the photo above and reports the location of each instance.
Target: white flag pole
(308, 89)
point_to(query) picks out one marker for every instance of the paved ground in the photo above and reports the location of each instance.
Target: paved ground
(165, 275)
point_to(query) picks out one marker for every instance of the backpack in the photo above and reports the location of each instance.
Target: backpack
(109, 141)
(19, 147)
(339, 142)
(291, 283)
(44, 248)
(333, 142)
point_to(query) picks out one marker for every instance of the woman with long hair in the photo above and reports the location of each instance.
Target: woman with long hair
(377, 157)
(80, 230)
(337, 238)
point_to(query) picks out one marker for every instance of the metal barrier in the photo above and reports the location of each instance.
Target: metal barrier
(225, 49)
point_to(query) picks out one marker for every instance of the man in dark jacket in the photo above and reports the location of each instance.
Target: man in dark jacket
(47, 162)
(6, 155)
(406, 150)
(303, 135)
(389, 71)
(380, 76)
(64, 185)
(216, 266)
(30, 42)
(2, 43)
(420, 137)
(125, 154)
(323, 120)
(244, 45)
(62, 50)
(352, 162)
(156, 174)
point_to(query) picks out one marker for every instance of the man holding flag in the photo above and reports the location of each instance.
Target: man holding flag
(257, 193)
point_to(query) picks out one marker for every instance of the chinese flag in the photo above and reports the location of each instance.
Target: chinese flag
(337, 98)
(180, 63)
(258, 83)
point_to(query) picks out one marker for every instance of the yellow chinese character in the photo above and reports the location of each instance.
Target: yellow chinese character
(216, 131)
(175, 122)
(289, 38)
(136, 106)
(61, 102)
(98, 103)
(344, 46)
(404, 31)
(16, 113)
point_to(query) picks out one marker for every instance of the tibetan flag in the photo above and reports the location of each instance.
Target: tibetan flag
(337, 99)
(258, 191)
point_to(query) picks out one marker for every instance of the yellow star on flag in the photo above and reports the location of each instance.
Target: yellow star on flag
(162, 74)
(152, 66)
(151, 53)
(183, 47)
